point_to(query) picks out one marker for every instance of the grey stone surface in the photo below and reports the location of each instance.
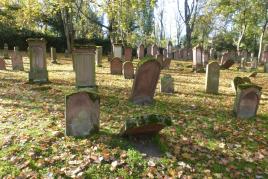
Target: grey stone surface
(167, 84)
(53, 55)
(212, 77)
(16, 60)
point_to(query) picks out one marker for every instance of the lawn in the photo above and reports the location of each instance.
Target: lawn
(205, 140)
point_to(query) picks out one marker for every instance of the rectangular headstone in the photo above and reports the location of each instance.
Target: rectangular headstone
(212, 77)
(117, 50)
(98, 56)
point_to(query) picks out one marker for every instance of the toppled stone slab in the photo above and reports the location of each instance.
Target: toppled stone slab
(145, 125)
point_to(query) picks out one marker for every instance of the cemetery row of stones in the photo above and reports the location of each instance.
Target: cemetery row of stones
(83, 106)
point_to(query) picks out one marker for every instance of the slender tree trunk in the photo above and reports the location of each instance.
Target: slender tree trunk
(68, 28)
(241, 38)
(261, 40)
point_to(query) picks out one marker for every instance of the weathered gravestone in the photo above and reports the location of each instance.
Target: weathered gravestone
(145, 82)
(145, 125)
(38, 65)
(238, 80)
(128, 70)
(166, 63)
(149, 50)
(212, 77)
(2, 64)
(169, 50)
(98, 56)
(140, 51)
(167, 84)
(117, 50)
(154, 50)
(84, 62)
(227, 64)
(247, 100)
(16, 60)
(6, 51)
(205, 56)
(197, 59)
(128, 54)
(82, 111)
(53, 55)
(116, 66)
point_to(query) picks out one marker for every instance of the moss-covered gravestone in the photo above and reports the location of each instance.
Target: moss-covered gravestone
(167, 84)
(212, 77)
(128, 70)
(116, 66)
(146, 78)
(238, 80)
(84, 62)
(82, 111)
(127, 53)
(2, 64)
(98, 56)
(6, 51)
(16, 60)
(247, 100)
(38, 65)
(145, 125)
(53, 55)
(140, 51)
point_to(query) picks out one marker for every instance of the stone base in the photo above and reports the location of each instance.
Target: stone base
(38, 76)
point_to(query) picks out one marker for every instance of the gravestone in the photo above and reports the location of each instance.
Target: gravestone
(2, 64)
(53, 55)
(154, 50)
(6, 51)
(128, 54)
(165, 54)
(166, 63)
(205, 56)
(167, 84)
(117, 50)
(247, 101)
(227, 64)
(128, 70)
(238, 80)
(242, 65)
(145, 82)
(16, 60)
(212, 77)
(224, 57)
(140, 51)
(149, 50)
(147, 125)
(38, 65)
(254, 64)
(266, 67)
(66, 53)
(116, 66)
(82, 111)
(197, 58)
(169, 50)
(84, 62)
(98, 56)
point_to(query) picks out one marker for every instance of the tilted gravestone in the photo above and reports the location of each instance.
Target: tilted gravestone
(98, 56)
(167, 84)
(6, 51)
(247, 100)
(227, 64)
(166, 63)
(212, 77)
(2, 64)
(116, 66)
(16, 60)
(84, 62)
(148, 125)
(117, 50)
(82, 111)
(128, 70)
(145, 82)
(128, 54)
(238, 80)
(38, 65)
(140, 51)
(53, 55)
(197, 59)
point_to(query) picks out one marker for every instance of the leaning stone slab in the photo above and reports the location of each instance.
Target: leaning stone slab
(238, 80)
(2, 64)
(227, 64)
(145, 81)
(116, 66)
(128, 70)
(145, 125)
(167, 84)
(82, 111)
(212, 77)
(247, 101)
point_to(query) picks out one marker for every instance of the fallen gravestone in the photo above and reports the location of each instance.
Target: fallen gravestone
(212, 77)
(227, 64)
(146, 78)
(38, 65)
(2, 64)
(128, 70)
(167, 84)
(247, 100)
(82, 113)
(148, 125)
(116, 66)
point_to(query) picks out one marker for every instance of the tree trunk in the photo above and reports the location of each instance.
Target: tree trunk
(241, 38)
(68, 28)
(188, 36)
